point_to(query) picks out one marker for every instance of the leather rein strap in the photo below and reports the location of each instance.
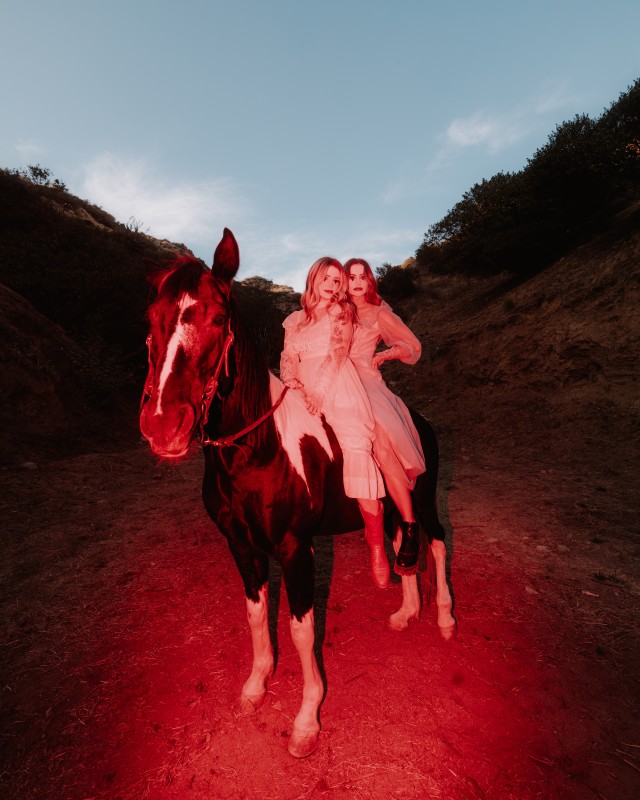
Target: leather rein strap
(225, 441)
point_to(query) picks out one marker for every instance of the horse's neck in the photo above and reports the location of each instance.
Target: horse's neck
(250, 395)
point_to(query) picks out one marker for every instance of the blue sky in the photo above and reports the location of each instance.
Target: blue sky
(342, 127)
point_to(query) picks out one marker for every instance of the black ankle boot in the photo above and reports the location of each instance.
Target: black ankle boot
(407, 558)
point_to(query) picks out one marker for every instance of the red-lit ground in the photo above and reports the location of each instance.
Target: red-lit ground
(126, 644)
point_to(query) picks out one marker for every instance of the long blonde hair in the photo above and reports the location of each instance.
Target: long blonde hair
(311, 295)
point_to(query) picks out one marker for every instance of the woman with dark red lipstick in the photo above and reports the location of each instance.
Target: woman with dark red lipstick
(397, 444)
(315, 361)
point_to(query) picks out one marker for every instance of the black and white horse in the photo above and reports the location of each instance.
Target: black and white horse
(273, 472)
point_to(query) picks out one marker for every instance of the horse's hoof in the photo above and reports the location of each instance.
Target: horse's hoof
(448, 632)
(400, 622)
(303, 743)
(249, 704)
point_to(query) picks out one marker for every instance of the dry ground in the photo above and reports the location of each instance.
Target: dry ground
(125, 643)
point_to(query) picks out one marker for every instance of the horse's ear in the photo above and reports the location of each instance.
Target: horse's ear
(226, 258)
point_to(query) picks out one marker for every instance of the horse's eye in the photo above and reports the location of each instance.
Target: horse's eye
(219, 319)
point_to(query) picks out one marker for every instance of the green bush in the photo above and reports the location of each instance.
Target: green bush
(397, 282)
(520, 222)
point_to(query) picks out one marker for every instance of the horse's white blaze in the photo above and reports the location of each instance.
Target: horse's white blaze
(293, 421)
(181, 336)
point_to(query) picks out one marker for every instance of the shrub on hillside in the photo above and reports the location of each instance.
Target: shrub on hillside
(40, 176)
(522, 221)
(397, 282)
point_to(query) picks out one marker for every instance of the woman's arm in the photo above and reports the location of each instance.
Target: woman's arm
(401, 342)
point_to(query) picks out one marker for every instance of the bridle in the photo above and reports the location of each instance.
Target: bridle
(209, 392)
(211, 387)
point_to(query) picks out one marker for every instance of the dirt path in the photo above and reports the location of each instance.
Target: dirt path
(125, 646)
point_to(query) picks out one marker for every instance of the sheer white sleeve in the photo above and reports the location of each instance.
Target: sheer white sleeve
(402, 344)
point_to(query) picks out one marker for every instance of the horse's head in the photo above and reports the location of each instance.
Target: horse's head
(190, 333)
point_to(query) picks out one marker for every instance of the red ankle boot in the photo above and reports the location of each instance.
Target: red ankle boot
(374, 534)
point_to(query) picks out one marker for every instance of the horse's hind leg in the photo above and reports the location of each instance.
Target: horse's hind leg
(427, 514)
(410, 608)
(444, 601)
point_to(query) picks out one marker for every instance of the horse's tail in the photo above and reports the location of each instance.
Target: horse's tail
(425, 502)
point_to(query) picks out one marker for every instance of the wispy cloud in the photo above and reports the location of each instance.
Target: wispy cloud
(181, 212)
(30, 149)
(498, 131)
(494, 132)
(196, 212)
(482, 131)
(285, 257)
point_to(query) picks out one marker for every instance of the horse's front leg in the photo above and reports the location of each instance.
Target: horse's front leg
(306, 726)
(253, 567)
(255, 688)
(298, 568)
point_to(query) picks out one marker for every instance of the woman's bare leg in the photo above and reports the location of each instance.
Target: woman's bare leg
(401, 496)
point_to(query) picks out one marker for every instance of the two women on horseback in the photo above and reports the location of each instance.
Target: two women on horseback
(329, 354)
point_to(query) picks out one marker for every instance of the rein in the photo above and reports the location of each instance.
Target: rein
(225, 441)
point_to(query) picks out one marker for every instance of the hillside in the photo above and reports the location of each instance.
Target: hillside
(502, 359)
(125, 639)
(74, 288)
(506, 362)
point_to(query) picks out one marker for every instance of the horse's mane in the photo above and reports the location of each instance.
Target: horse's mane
(252, 397)
(179, 276)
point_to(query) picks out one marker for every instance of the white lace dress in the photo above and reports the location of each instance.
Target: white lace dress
(315, 353)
